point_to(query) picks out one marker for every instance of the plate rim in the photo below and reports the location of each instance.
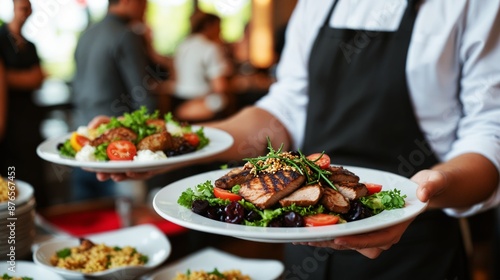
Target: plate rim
(284, 235)
(220, 141)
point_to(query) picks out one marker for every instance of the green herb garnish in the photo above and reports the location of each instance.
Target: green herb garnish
(64, 253)
(300, 163)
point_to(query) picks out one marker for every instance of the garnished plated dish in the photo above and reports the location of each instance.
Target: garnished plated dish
(136, 136)
(289, 189)
(89, 257)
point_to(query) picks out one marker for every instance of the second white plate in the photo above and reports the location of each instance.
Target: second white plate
(219, 142)
(165, 203)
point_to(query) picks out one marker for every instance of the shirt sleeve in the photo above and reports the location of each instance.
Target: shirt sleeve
(479, 128)
(287, 98)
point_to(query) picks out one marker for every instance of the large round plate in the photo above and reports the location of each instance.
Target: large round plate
(219, 142)
(165, 203)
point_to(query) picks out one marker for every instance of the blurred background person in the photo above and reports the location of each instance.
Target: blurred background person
(201, 71)
(3, 102)
(111, 78)
(23, 75)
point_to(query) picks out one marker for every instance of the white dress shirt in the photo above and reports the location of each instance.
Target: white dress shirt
(453, 71)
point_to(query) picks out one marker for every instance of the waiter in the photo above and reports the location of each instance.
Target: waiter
(405, 86)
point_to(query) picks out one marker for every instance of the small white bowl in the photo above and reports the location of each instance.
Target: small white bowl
(27, 269)
(147, 239)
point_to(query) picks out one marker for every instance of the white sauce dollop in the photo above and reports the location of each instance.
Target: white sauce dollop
(86, 154)
(148, 155)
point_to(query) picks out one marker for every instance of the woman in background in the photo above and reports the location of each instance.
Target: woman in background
(201, 72)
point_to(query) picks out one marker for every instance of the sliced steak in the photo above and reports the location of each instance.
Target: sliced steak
(234, 177)
(305, 196)
(119, 133)
(156, 142)
(334, 201)
(352, 191)
(341, 175)
(267, 189)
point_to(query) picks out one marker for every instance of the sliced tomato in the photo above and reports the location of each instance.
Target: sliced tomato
(121, 150)
(320, 220)
(192, 138)
(322, 160)
(77, 141)
(225, 194)
(373, 188)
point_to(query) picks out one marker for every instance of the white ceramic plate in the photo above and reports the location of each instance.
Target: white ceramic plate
(165, 203)
(219, 142)
(147, 239)
(209, 258)
(25, 192)
(28, 269)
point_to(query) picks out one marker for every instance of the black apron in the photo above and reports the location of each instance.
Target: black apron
(360, 113)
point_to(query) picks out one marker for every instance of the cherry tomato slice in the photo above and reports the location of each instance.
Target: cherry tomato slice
(121, 150)
(323, 161)
(192, 139)
(77, 141)
(373, 188)
(225, 194)
(320, 220)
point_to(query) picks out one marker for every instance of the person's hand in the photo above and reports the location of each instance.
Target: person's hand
(119, 177)
(370, 244)
(430, 184)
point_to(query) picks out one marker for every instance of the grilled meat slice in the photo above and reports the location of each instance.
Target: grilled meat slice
(119, 133)
(341, 175)
(234, 177)
(267, 189)
(334, 201)
(352, 191)
(305, 196)
(155, 142)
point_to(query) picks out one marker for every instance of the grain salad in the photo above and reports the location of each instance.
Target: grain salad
(233, 274)
(89, 257)
(5, 193)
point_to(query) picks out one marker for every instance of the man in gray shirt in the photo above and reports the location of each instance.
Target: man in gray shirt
(113, 75)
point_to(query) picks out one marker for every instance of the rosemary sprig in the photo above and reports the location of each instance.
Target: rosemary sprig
(308, 168)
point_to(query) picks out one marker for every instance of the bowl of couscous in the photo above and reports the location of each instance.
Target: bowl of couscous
(120, 254)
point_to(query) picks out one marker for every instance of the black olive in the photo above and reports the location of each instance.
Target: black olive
(292, 219)
(234, 213)
(200, 207)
